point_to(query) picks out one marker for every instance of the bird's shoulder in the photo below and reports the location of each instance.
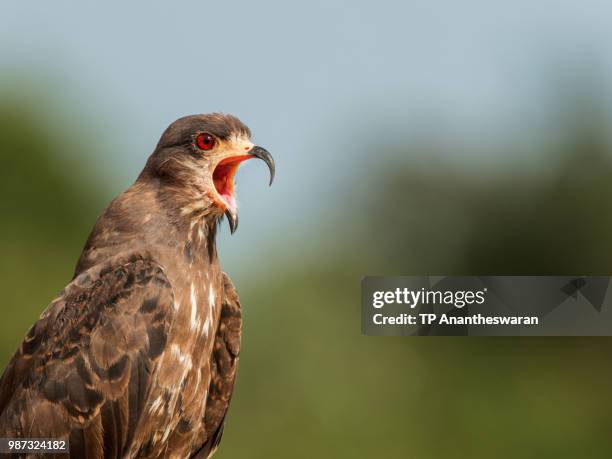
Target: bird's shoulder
(92, 352)
(128, 285)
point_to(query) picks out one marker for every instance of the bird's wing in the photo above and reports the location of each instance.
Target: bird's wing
(223, 365)
(85, 370)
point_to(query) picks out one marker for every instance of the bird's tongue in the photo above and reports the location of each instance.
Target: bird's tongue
(229, 200)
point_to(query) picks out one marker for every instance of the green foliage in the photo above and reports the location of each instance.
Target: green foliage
(514, 224)
(47, 209)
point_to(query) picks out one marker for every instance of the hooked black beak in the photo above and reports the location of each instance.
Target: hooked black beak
(266, 157)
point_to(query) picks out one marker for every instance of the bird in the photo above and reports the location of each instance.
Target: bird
(137, 356)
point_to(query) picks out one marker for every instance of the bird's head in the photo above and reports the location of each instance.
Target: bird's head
(197, 158)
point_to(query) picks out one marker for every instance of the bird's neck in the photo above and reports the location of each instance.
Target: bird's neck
(177, 225)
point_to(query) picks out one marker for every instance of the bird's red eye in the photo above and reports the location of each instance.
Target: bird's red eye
(205, 141)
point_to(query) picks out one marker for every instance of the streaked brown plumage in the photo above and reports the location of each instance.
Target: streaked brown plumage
(137, 356)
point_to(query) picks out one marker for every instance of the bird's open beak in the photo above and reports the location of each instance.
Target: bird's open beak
(223, 178)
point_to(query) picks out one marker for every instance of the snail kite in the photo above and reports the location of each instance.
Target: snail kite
(137, 356)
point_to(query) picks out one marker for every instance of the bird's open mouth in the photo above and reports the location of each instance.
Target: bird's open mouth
(223, 178)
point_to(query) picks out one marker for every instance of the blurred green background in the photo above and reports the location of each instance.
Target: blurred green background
(502, 164)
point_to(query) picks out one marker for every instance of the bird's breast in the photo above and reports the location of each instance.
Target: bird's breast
(185, 366)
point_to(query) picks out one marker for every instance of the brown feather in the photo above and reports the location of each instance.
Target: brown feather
(224, 365)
